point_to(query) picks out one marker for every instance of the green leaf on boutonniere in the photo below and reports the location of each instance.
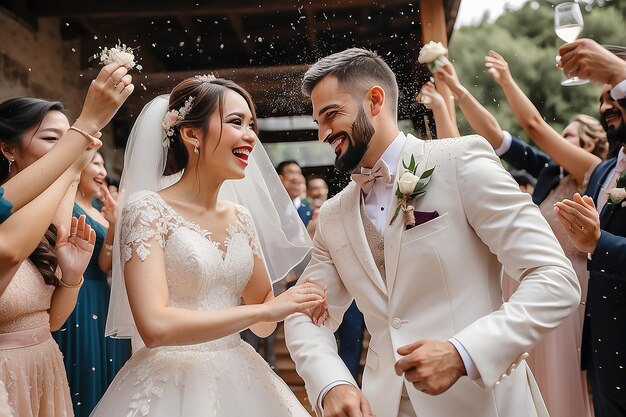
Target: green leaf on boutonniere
(412, 165)
(399, 193)
(621, 182)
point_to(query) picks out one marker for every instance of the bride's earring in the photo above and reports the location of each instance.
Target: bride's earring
(195, 149)
(11, 163)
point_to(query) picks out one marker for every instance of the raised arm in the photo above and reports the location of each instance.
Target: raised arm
(430, 97)
(161, 324)
(573, 159)
(481, 120)
(106, 94)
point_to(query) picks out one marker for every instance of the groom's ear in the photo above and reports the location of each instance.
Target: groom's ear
(376, 98)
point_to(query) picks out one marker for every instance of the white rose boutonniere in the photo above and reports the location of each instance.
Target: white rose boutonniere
(618, 194)
(433, 54)
(410, 186)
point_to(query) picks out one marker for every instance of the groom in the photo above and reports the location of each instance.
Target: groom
(443, 343)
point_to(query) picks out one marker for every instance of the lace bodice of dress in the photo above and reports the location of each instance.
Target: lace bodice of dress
(201, 274)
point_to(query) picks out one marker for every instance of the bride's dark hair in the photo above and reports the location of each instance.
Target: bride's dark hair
(208, 94)
(17, 116)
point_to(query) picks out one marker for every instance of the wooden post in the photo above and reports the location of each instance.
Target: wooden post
(432, 15)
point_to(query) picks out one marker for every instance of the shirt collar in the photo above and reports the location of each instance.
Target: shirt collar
(621, 156)
(297, 202)
(391, 156)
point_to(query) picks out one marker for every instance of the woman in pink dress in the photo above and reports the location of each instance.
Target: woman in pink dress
(42, 292)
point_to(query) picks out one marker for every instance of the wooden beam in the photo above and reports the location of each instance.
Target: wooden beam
(246, 43)
(311, 28)
(432, 15)
(152, 8)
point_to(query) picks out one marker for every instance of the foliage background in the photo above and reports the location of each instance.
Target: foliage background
(526, 39)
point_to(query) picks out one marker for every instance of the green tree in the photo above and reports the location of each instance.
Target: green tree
(526, 39)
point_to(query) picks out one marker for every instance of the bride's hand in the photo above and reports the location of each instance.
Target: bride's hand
(319, 314)
(498, 68)
(298, 299)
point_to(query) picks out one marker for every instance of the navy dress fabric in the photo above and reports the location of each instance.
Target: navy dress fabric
(5, 207)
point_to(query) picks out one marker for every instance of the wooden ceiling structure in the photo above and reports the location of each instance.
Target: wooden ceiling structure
(264, 45)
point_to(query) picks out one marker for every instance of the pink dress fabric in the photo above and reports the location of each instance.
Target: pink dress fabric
(33, 373)
(555, 361)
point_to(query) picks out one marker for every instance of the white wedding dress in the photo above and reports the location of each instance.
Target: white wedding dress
(221, 378)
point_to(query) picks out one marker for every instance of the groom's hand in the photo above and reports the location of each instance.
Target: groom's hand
(346, 401)
(432, 366)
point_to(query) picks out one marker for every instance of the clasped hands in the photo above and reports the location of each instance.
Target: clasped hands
(581, 222)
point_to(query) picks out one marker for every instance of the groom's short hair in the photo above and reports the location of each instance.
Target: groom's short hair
(357, 70)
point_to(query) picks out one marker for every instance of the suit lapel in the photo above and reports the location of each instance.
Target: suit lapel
(393, 232)
(608, 209)
(350, 211)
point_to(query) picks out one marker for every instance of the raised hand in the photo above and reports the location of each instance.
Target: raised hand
(430, 97)
(581, 222)
(589, 60)
(109, 206)
(105, 96)
(297, 299)
(447, 74)
(346, 400)
(74, 251)
(432, 366)
(498, 68)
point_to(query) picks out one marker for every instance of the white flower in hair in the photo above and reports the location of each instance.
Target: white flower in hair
(120, 54)
(433, 54)
(173, 118)
(206, 78)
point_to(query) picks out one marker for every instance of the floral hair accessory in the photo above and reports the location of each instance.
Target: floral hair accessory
(173, 118)
(205, 78)
(120, 54)
(433, 54)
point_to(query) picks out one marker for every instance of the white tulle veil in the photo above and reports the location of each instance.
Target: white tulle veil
(285, 244)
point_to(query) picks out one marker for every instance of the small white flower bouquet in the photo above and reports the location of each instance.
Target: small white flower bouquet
(433, 54)
(120, 54)
(617, 195)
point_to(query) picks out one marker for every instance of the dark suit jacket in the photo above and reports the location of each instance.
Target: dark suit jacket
(604, 331)
(548, 173)
(305, 212)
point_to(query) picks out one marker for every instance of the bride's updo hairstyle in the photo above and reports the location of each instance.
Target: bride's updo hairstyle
(208, 95)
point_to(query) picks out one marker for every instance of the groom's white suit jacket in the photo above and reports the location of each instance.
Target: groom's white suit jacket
(442, 281)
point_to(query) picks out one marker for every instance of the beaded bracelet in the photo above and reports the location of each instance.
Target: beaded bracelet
(63, 284)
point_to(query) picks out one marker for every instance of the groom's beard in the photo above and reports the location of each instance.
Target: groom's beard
(614, 134)
(362, 132)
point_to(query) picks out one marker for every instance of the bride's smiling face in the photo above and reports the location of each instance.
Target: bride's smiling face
(230, 139)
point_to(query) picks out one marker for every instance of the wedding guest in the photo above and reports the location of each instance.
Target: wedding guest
(43, 290)
(602, 237)
(90, 371)
(290, 174)
(431, 99)
(562, 385)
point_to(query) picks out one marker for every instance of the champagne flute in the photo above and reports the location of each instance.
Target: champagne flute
(568, 24)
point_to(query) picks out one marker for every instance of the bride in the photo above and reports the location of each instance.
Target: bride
(188, 258)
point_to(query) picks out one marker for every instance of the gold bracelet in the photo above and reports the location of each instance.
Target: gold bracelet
(63, 284)
(85, 134)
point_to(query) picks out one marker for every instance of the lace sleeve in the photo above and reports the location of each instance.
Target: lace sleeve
(249, 229)
(144, 221)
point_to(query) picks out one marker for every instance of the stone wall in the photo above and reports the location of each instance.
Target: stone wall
(37, 62)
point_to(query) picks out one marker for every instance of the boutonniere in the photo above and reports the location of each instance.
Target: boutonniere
(410, 186)
(433, 54)
(618, 194)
